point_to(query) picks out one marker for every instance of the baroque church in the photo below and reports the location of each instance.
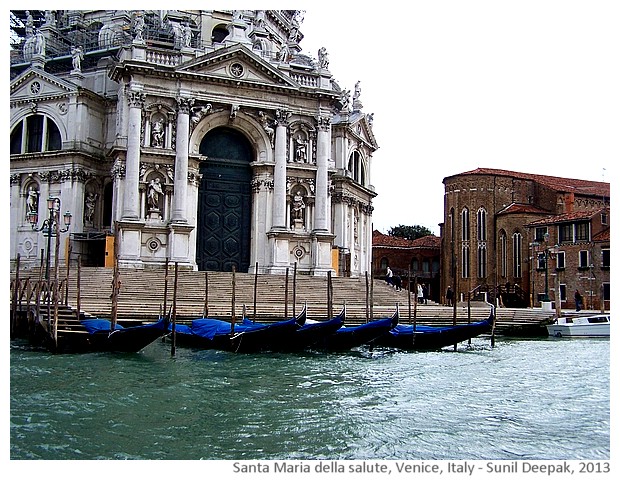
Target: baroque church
(202, 137)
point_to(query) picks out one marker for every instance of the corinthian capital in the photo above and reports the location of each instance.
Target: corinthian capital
(135, 99)
(184, 104)
(323, 123)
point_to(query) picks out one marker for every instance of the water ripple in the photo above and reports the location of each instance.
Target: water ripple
(508, 402)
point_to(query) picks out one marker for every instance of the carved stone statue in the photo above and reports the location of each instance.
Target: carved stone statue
(300, 149)
(323, 58)
(298, 206)
(157, 134)
(139, 28)
(32, 200)
(76, 58)
(266, 126)
(154, 191)
(89, 203)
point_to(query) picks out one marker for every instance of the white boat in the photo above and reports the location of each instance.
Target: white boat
(596, 325)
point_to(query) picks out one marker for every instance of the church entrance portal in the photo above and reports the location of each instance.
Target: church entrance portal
(224, 202)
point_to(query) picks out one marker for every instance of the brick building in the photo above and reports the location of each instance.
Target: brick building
(419, 257)
(535, 234)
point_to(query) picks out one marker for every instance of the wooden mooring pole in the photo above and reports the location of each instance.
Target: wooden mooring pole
(286, 294)
(367, 298)
(330, 295)
(14, 298)
(173, 348)
(255, 289)
(232, 301)
(294, 287)
(205, 310)
(166, 287)
(78, 286)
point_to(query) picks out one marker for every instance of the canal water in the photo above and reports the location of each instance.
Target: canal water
(523, 399)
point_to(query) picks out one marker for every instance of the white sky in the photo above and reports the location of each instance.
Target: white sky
(529, 86)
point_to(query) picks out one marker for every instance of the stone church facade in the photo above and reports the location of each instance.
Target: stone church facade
(199, 137)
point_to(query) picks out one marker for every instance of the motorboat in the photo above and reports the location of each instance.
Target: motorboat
(596, 325)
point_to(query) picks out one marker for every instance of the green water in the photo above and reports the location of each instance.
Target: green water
(523, 399)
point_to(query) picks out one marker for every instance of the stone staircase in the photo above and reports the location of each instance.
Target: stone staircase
(141, 299)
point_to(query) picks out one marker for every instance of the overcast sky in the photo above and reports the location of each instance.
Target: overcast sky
(529, 86)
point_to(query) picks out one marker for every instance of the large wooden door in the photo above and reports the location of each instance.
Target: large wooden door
(224, 203)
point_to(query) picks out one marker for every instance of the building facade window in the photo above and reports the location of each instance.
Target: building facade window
(584, 259)
(465, 225)
(566, 233)
(482, 225)
(36, 133)
(582, 232)
(562, 292)
(539, 234)
(560, 261)
(356, 167)
(465, 261)
(606, 291)
(482, 261)
(503, 255)
(605, 258)
(517, 241)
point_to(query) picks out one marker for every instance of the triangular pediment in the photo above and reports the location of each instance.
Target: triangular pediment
(36, 84)
(361, 128)
(237, 64)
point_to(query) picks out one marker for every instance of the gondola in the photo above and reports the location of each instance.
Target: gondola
(308, 334)
(97, 335)
(243, 337)
(346, 338)
(424, 337)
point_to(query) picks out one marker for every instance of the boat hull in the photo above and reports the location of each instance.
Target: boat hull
(346, 338)
(422, 337)
(584, 326)
(121, 340)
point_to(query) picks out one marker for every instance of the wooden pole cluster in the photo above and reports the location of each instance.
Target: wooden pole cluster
(255, 289)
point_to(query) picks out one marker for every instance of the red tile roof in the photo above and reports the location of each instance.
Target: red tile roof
(381, 240)
(560, 184)
(603, 236)
(565, 217)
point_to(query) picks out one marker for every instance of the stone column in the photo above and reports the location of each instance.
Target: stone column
(279, 171)
(131, 208)
(322, 156)
(179, 209)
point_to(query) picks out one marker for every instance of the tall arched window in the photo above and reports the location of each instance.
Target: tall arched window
(465, 224)
(356, 167)
(35, 133)
(503, 254)
(517, 241)
(482, 225)
(465, 249)
(481, 233)
(482, 260)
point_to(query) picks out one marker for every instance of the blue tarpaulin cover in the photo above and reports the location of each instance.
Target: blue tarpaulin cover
(99, 325)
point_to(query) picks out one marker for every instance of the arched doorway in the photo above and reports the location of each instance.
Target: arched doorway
(224, 202)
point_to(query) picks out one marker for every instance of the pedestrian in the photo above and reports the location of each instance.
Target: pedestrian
(420, 293)
(388, 276)
(398, 282)
(425, 293)
(578, 301)
(449, 295)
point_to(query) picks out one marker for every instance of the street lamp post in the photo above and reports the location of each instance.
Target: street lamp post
(548, 252)
(50, 226)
